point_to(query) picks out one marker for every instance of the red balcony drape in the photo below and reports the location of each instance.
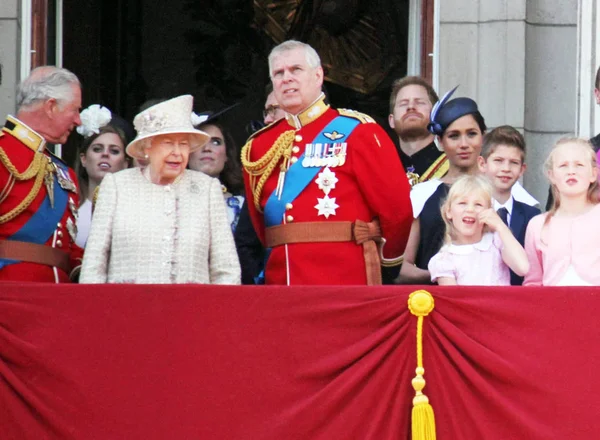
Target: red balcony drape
(203, 362)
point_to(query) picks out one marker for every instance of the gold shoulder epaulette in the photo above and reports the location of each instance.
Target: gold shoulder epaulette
(362, 117)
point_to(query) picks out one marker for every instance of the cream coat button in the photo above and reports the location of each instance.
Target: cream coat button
(58, 243)
(294, 159)
(298, 138)
(289, 219)
(59, 234)
(288, 206)
(295, 149)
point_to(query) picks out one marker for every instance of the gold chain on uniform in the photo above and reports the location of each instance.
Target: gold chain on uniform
(38, 169)
(264, 166)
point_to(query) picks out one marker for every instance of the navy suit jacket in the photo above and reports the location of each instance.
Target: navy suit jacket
(519, 219)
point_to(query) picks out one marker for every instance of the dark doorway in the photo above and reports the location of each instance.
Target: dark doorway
(129, 51)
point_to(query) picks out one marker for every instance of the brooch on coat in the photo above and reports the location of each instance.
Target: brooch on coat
(326, 181)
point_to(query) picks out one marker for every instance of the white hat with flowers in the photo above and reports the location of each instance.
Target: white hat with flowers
(168, 117)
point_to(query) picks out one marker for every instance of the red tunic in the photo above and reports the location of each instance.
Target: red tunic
(371, 184)
(20, 144)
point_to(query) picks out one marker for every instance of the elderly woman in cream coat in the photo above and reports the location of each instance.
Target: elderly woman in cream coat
(162, 223)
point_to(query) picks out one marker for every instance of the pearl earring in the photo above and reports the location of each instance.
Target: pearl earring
(146, 156)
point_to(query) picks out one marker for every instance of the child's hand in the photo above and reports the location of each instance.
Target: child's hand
(492, 219)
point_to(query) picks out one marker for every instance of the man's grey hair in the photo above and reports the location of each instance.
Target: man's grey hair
(312, 57)
(44, 83)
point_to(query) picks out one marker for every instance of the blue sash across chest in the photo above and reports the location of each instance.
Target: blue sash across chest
(299, 177)
(42, 224)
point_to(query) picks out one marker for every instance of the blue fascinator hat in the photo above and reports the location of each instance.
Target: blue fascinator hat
(446, 111)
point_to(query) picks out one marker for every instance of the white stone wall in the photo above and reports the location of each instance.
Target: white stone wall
(551, 78)
(588, 57)
(9, 54)
(517, 59)
(482, 48)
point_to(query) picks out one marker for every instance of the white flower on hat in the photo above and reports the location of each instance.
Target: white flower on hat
(93, 119)
(151, 121)
(198, 119)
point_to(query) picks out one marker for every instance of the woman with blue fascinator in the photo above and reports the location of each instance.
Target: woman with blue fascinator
(459, 127)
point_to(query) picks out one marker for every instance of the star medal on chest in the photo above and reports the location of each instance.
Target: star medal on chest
(326, 206)
(413, 178)
(326, 180)
(64, 180)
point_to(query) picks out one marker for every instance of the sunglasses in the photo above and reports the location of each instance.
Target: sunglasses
(270, 110)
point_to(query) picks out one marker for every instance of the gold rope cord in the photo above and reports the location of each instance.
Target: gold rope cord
(420, 304)
(263, 167)
(31, 171)
(39, 179)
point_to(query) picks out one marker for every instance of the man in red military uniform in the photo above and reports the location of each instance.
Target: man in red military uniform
(325, 188)
(38, 192)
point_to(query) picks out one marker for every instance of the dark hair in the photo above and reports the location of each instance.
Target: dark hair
(598, 78)
(503, 135)
(81, 172)
(231, 176)
(399, 84)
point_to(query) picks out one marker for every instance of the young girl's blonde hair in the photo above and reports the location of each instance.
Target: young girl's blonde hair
(464, 186)
(592, 193)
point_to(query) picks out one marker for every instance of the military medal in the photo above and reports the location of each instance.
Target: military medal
(326, 206)
(342, 154)
(64, 180)
(328, 155)
(307, 155)
(413, 178)
(326, 180)
(316, 158)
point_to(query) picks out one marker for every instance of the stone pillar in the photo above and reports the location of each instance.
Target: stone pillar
(588, 62)
(482, 48)
(550, 92)
(9, 54)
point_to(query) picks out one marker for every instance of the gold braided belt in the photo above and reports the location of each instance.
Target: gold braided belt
(362, 233)
(263, 167)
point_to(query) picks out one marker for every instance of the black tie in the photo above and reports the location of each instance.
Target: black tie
(503, 213)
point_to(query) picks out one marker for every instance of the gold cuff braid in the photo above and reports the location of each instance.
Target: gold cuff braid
(263, 167)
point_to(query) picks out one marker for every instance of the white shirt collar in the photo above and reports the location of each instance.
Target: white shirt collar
(464, 249)
(508, 205)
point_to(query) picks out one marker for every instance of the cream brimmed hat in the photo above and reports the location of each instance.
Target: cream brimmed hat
(168, 117)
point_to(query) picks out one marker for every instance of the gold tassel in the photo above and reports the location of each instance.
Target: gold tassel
(420, 304)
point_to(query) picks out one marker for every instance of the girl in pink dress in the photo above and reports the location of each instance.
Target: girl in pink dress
(479, 248)
(562, 244)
